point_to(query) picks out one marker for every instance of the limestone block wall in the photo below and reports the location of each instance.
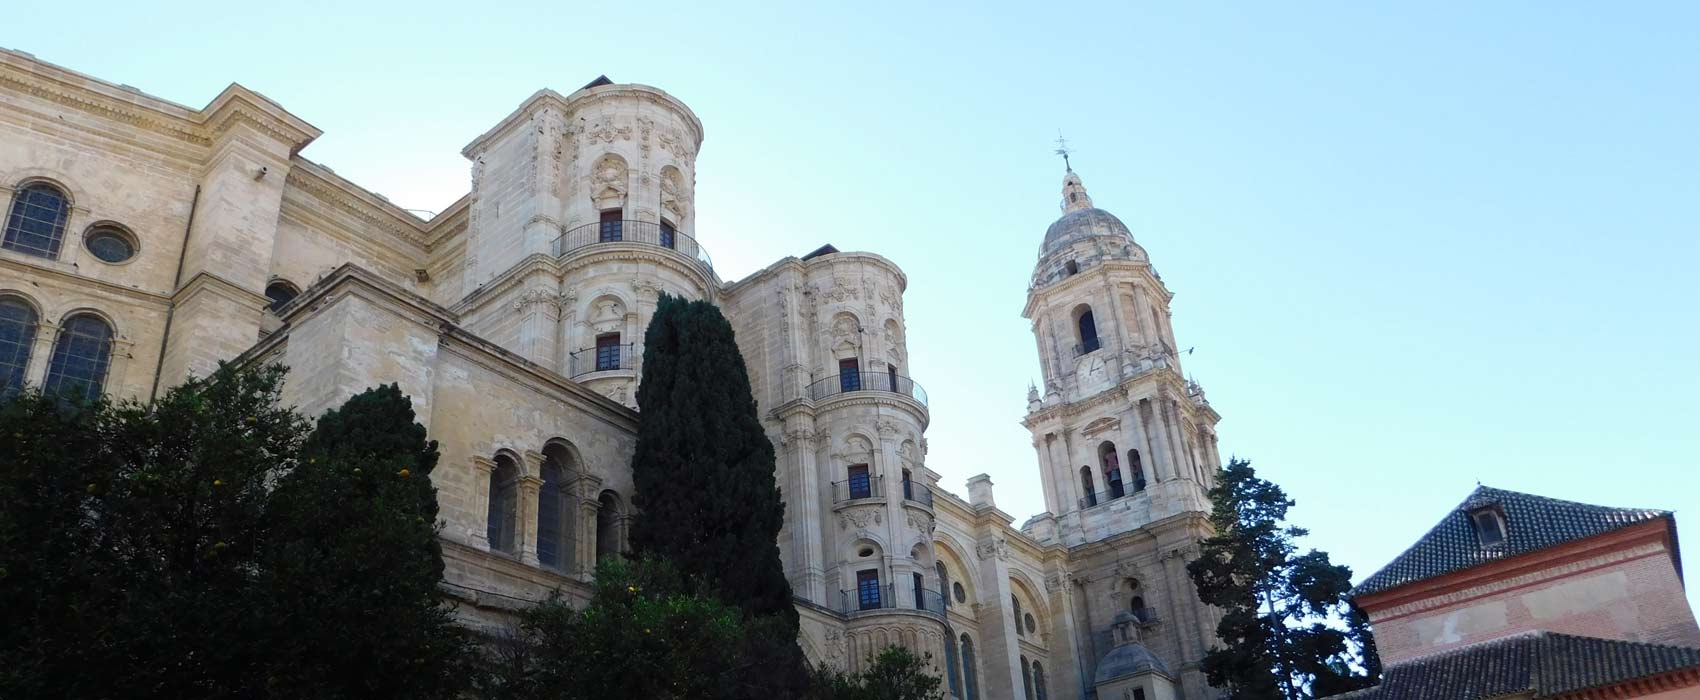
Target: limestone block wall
(326, 222)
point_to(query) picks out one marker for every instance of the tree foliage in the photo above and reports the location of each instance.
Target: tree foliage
(1289, 628)
(705, 490)
(896, 674)
(648, 632)
(139, 546)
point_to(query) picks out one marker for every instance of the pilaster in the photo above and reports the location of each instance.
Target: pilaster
(482, 469)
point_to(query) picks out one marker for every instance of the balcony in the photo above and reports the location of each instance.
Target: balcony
(858, 488)
(918, 493)
(602, 359)
(875, 599)
(846, 382)
(630, 231)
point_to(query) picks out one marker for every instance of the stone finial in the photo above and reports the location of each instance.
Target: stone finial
(980, 491)
(1074, 194)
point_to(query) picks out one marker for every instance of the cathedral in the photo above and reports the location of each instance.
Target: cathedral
(146, 241)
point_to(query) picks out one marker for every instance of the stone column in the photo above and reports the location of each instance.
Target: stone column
(117, 369)
(529, 486)
(1000, 652)
(586, 488)
(41, 352)
(478, 526)
(1062, 637)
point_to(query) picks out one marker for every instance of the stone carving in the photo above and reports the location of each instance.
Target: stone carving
(887, 427)
(672, 191)
(920, 522)
(539, 296)
(645, 127)
(1054, 582)
(673, 142)
(910, 453)
(609, 316)
(608, 180)
(845, 326)
(605, 131)
(1100, 425)
(992, 548)
(892, 298)
(841, 292)
(860, 518)
(646, 288)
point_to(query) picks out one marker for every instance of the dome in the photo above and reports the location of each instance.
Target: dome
(1083, 223)
(1126, 660)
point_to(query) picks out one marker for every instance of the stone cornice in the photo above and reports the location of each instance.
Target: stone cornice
(20, 265)
(875, 398)
(209, 282)
(1120, 393)
(234, 105)
(545, 98)
(1140, 271)
(380, 214)
(708, 281)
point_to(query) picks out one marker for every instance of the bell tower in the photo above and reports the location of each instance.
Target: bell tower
(1123, 438)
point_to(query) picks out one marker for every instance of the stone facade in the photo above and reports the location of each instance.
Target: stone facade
(514, 320)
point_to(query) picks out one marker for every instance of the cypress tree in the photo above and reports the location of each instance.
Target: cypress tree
(704, 474)
(352, 561)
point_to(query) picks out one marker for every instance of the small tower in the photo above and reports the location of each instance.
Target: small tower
(1126, 448)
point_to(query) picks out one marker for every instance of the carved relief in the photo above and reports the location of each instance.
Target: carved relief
(606, 131)
(672, 192)
(841, 291)
(845, 327)
(608, 315)
(608, 181)
(1107, 423)
(892, 298)
(539, 296)
(887, 427)
(920, 521)
(992, 548)
(860, 518)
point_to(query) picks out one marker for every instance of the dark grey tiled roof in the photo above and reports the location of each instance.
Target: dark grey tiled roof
(1544, 662)
(1531, 523)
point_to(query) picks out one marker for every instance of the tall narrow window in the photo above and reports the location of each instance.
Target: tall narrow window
(17, 338)
(1138, 469)
(908, 486)
(549, 511)
(868, 589)
(607, 351)
(1088, 332)
(891, 374)
(1015, 603)
(77, 369)
(1112, 470)
(1086, 486)
(970, 679)
(1138, 694)
(1137, 607)
(1039, 682)
(504, 505)
(36, 224)
(859, 483)
(920, 589)
(607, 525)
(609, 228)
(952, 667)
(944, 583)
(849, 375)
(666, 234)
(1026, 678)
(1071, 268)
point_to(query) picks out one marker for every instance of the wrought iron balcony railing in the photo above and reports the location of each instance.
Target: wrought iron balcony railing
(632, 231)
(885, 597)
(601, 359)
(918, 493)
(845, 382)
(854, 488)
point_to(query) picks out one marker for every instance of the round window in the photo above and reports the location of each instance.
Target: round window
(956, 590)
(281, 293)
(1031, 627)
(866, 552)
(110, 244)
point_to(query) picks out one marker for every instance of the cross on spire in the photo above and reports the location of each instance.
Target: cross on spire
(1062, 150)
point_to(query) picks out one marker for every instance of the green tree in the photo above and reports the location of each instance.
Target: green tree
(707, 499)
(648, 632)
(896, 674)
(147, 589)
(1289, 628)
(352, 561)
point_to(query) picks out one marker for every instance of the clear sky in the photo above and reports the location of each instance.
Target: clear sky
(1413, 247)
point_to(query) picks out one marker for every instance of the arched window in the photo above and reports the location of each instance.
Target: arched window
(1088, 332)
(944, 583)
(1039, 681)
(503, 520)
(36, 224)
(952, 670)
(1071, 267)
(281, 293)
(1015, 603)
(1112, 470)
(607, 525)
(1137, 469)
(77, 369)
(970, 679)
(554, 510)
(17, 338)
(1086, 487)
(1026, 678)
(1136, 605)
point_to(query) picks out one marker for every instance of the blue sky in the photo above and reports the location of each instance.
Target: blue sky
(1414, 247)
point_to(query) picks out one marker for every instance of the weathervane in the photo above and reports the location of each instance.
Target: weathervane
(1062, 150)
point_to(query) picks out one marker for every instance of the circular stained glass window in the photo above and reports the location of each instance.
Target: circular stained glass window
(961, 595)
(110, 244)
(1031, 627)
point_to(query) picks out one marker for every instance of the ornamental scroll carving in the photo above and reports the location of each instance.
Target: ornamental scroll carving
(537, 296)
(992, 548)
(860, 518)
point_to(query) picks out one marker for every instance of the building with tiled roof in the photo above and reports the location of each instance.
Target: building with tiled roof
(1513, 595)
